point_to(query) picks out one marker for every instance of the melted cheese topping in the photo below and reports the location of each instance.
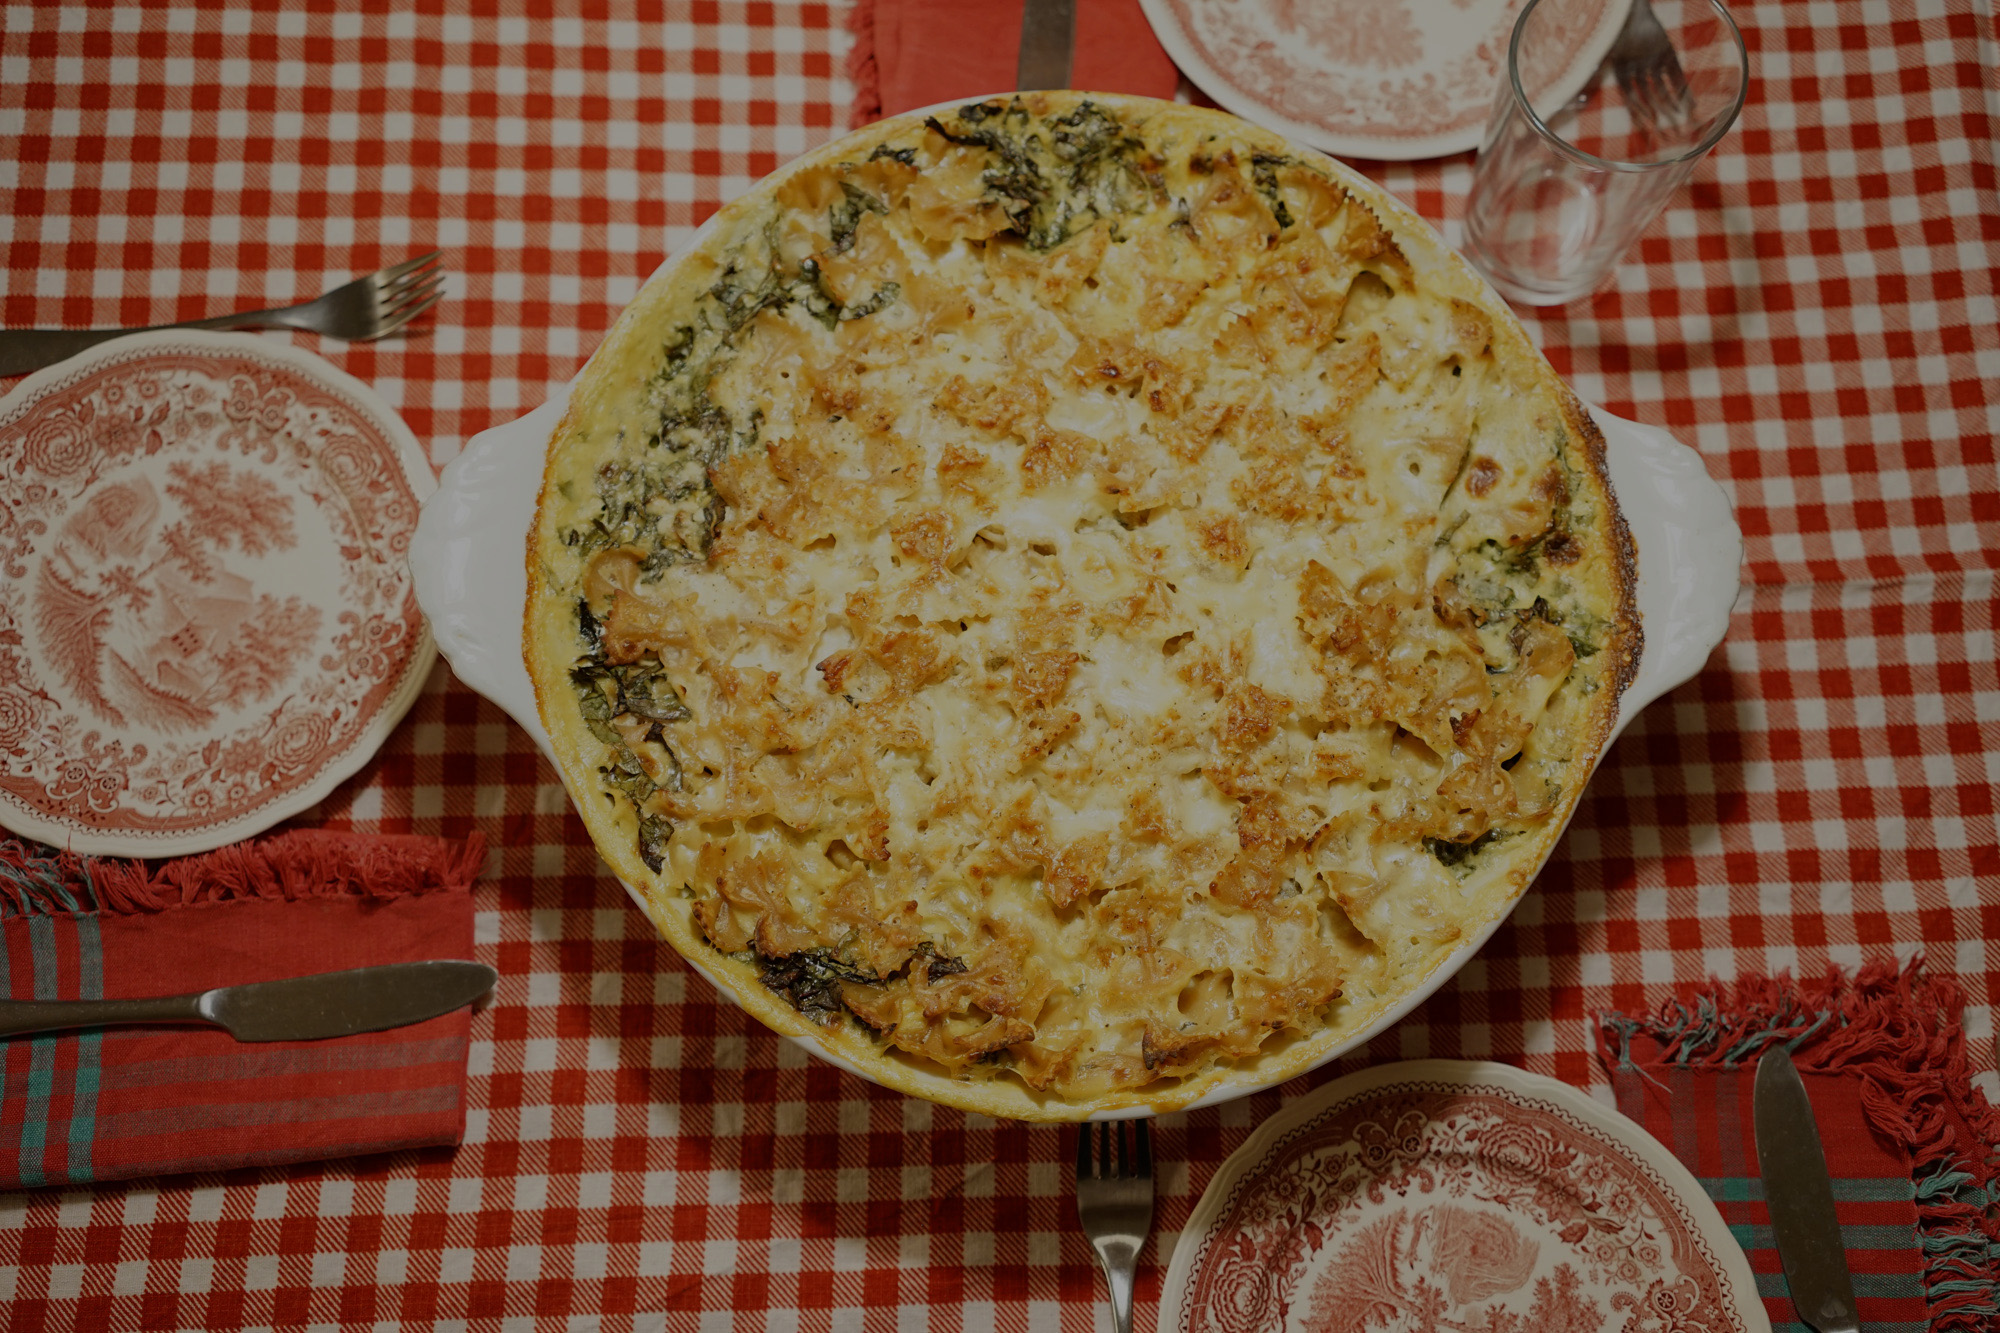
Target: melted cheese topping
(1085, 666)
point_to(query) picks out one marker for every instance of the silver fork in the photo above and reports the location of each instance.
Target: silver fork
(1114, 1201)
(366, 308)
(1648, 72)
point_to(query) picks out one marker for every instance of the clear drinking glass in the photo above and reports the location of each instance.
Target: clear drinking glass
(1598, 120)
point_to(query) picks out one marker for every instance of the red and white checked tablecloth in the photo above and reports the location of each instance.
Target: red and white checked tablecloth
(1816, 314)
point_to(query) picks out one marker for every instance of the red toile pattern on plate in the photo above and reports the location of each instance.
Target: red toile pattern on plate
(1372, 78)
(206, 601)
(1465, 1203)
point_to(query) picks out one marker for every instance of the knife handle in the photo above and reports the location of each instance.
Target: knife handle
(24, 350)
(1048, 37)
(19, 1016)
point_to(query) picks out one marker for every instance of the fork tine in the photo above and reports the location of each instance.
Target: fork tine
(391, 274)
(402, 317)
(1114, 1204)
(411, 279)
(396, 300)
(403, 306)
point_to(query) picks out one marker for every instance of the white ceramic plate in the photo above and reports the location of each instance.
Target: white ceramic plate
(207, 619)
(1394, 79)
(1443, 1194)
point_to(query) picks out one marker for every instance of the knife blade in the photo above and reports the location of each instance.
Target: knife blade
(1799, 1195)
(308, 1008)
(1048, 35)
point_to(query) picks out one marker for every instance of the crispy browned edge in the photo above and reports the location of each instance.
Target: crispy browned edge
(1001, 1097)
(1632, 637)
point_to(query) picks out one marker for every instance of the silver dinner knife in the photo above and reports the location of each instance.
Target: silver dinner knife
(1800, 1197)
(325, 1004)
(1048, 35)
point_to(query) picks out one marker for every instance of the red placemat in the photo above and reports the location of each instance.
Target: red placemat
(135, 1101)
(915, 53)
(1815, 313)
(1912, 1148)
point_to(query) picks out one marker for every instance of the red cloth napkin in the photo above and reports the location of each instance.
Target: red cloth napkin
(120, 1102)
(1910, 1143)
(912, 53)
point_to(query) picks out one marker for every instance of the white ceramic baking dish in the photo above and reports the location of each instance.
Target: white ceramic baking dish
(470, 551)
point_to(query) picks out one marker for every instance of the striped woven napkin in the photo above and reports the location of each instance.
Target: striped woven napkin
(1910, 1143)
(120, 1102)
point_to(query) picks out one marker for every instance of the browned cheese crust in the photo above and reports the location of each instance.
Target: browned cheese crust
(1073, 601)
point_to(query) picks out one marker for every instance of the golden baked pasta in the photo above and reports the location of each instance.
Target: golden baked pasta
(1072, 601)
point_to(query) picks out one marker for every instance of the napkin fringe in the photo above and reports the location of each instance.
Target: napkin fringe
(862, 70)
(1901, 1031)
(301, 863)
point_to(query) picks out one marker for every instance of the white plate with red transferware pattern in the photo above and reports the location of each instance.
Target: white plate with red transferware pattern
(207, 618)
(1441, 1194)
(1391, 79)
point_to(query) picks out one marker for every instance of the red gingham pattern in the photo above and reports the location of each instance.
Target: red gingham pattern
(1816, 314)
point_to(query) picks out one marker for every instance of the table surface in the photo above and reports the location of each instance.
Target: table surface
(1815, 313)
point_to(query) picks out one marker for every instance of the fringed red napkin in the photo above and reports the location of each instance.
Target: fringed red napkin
(1910, 1142)
(119, 1102)
(912, 53)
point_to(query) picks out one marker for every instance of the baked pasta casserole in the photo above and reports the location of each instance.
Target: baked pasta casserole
(1072, 601)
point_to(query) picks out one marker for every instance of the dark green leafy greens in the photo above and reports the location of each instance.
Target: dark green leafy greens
(659, 502)
(645, 692)
(653, 835)
(1264, 175)
(810, 979)
(1458, 855)
(1526, 580)
(941, 965)
(844, 218)
(883, 296)
(1053, 177)
(605, 691)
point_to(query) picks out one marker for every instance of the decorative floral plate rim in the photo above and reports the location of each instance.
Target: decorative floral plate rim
(1277, 71)
(1244, 1206)
(97, 485)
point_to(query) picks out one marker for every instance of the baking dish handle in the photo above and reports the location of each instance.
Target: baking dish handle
(469, 558)
(1690, 553)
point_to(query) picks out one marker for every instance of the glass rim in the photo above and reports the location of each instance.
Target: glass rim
(1708, 141)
